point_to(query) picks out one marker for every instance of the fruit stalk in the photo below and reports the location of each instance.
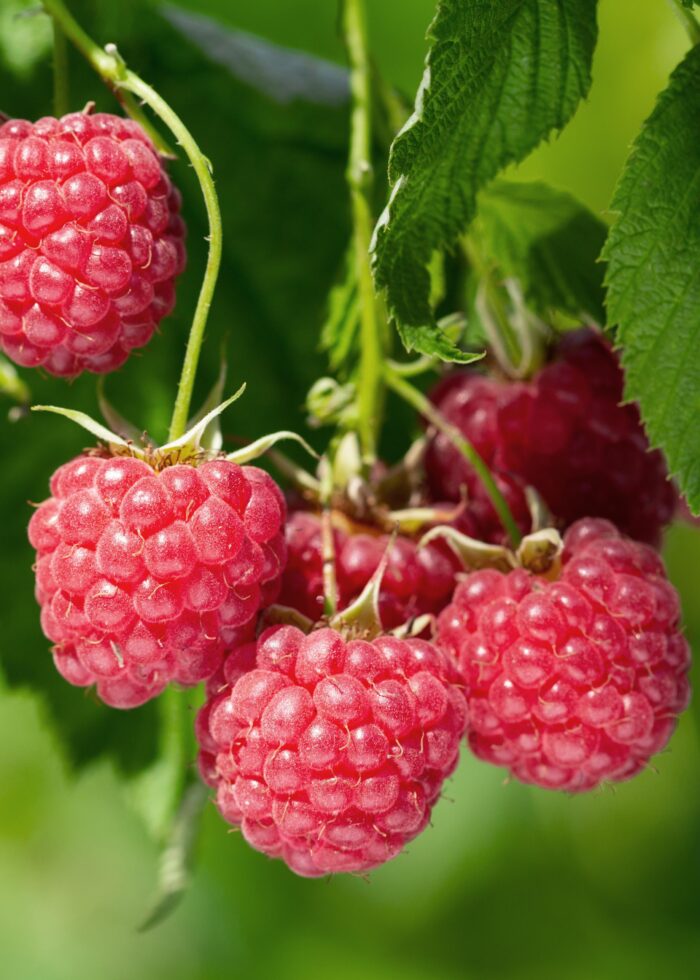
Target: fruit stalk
(360, 180)
(426, 408)
(111, 67)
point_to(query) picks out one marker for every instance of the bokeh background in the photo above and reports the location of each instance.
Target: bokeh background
(509, 882)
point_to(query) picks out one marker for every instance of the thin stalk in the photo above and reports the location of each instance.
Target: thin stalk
(111, 67)
(176, 726)
(426, 408)
(689, 21)
(360, 180)
(330, 579)
(61, 88)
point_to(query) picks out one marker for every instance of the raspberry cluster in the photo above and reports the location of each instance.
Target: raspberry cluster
(416, 580)
(91, 242)
(565, 433)
(145, 576)
(330, 754)
(577, 680)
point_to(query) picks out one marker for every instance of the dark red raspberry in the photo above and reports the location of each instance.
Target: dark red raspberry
(416, 580)
(574, 681)
(330, 754)
(91, 242)
(564, 433)
(146, 576)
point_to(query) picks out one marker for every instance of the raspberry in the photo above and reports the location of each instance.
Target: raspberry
(330, 754)
(91, 242)
(416, 581)
(146, 576)
(578, 680)
(564, 433)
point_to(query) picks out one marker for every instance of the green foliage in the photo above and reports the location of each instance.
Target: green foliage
(25, 37)
(435, 342)
(653, 274)
(546, 240)
(339, 333)
(499, 78)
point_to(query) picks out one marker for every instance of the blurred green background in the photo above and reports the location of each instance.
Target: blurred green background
(509, 882)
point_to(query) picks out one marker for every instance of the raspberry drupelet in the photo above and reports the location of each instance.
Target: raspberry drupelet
(91, 242)
(565, 433)
(416, 580)
(576, 680)
(330, 753)
(144, 576)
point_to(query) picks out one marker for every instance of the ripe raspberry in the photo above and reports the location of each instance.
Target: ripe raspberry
(145, 576)
(565, 433)
(91, 242)
(330, 754)
(416, 580)
(578, 680)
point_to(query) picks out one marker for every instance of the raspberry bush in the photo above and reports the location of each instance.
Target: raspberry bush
(418, 594)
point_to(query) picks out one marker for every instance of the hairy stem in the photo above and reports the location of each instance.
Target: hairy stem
(360, 180)
(127, 85)
(61, 90)
(426, 408)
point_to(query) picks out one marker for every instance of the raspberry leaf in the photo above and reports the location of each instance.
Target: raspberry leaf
(653, 276)
(499, 78)
(339, 333)
(548, 241)
(433, 341)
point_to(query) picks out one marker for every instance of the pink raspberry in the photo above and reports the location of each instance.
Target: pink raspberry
(565, 433)
(91, 242)
(574, 681)
(416, 581)
(146, 576)
(330, 753)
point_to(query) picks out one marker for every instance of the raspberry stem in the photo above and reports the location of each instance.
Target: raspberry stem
(126, 84)
(360, 179)
(426, 408)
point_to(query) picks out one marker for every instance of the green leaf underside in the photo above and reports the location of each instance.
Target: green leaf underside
(434, 342)
(653, 276)
(546, 240)
(499, 78)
